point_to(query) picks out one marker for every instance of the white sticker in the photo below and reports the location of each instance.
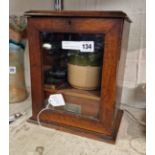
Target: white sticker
(56, 100)
(12, 70)
(87, 46)
(70, 45)
(83, 46)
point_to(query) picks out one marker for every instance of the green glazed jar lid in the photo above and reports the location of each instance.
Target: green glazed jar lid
(85, 59)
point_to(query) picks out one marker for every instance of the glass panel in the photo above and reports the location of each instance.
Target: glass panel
(72, 64)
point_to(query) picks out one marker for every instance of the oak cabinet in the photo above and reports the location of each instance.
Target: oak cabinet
(81, 55)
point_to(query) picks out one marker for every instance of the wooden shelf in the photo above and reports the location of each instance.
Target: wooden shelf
(95, 95)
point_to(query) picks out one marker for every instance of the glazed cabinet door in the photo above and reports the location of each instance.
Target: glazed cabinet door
(75, 57)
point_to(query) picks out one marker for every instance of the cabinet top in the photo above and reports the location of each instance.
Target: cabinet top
(65, 13)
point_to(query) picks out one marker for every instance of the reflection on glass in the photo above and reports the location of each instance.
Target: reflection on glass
(72, 66)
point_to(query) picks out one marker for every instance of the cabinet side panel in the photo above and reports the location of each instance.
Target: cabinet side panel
(112, 50)
(122, 62)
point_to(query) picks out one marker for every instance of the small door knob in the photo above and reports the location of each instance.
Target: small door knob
(69, 22)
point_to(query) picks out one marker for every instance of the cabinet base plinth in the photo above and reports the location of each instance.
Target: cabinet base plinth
(86, 133)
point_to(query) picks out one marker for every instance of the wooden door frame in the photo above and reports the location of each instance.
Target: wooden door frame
(112, 29)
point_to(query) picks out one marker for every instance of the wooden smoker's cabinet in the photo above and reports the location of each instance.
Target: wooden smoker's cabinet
(98, 115)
